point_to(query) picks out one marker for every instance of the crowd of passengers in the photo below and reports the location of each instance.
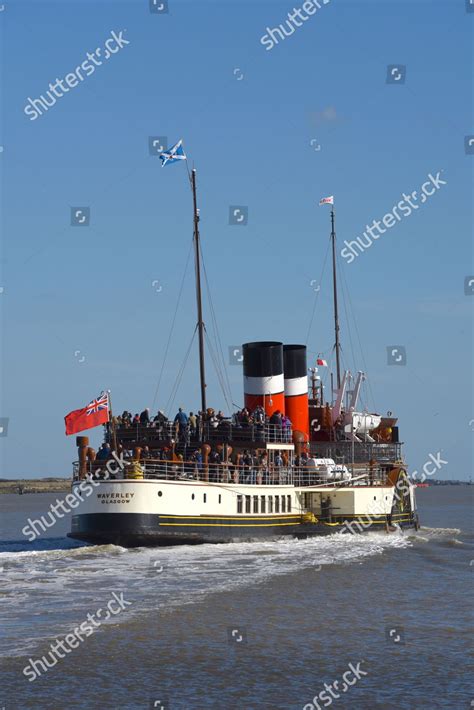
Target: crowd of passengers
(251, 466)
(189, 426)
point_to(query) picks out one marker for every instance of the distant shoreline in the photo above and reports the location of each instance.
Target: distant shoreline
(40, 485)
(51, 485)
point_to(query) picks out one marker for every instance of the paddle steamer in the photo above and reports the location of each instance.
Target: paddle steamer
(338, 468)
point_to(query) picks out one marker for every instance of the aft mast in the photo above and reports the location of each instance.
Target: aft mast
(200, 323)
(336, 314)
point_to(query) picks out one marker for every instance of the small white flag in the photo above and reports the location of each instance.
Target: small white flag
(327, 200)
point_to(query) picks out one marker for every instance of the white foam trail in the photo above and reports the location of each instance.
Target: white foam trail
(158, 578)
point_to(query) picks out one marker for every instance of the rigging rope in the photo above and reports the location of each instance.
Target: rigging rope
(179, 376)
(317, 293)
(172, 328)
(364, 363)
(219, 364)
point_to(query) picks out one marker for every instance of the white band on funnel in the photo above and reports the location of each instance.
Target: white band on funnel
(264, 385)
(296, 386)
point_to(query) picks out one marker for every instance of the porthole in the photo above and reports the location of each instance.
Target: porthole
(160, 493)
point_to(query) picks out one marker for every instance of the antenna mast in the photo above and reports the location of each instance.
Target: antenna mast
(336, 314)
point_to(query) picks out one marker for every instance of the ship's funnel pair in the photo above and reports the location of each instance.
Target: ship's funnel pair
(275, 377)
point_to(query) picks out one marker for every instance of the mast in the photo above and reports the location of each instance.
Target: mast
(336, 314)
(200, 322)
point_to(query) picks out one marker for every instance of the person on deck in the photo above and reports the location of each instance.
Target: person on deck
(192, 425)
(145, 417)
(104, 453)
(181, 419)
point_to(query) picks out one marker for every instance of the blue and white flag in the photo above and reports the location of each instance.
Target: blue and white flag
(173, 154)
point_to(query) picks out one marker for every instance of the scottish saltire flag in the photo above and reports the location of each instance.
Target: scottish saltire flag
(173, 154)
(327, 200)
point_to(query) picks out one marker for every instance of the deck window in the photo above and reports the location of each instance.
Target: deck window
(277, 504)
(204, 497)
(288, 504)
(283, 504)
(270, 504)
(247, 504)
(262, 504)
(255, 504)
(239, 504)
(220, 498)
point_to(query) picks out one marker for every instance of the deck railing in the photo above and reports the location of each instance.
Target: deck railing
(226, 431)
(345, 452)
(228, 473)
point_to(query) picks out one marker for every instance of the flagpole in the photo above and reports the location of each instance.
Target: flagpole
(200, 323)
(336, 314)
(112, 424)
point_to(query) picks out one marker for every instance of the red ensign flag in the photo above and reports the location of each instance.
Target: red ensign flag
(96, 412)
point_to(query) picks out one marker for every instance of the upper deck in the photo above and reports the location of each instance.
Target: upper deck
(226, 432)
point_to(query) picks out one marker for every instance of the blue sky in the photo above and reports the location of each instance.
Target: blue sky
(80, 310)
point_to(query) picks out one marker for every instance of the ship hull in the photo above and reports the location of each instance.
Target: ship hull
(159, 513)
